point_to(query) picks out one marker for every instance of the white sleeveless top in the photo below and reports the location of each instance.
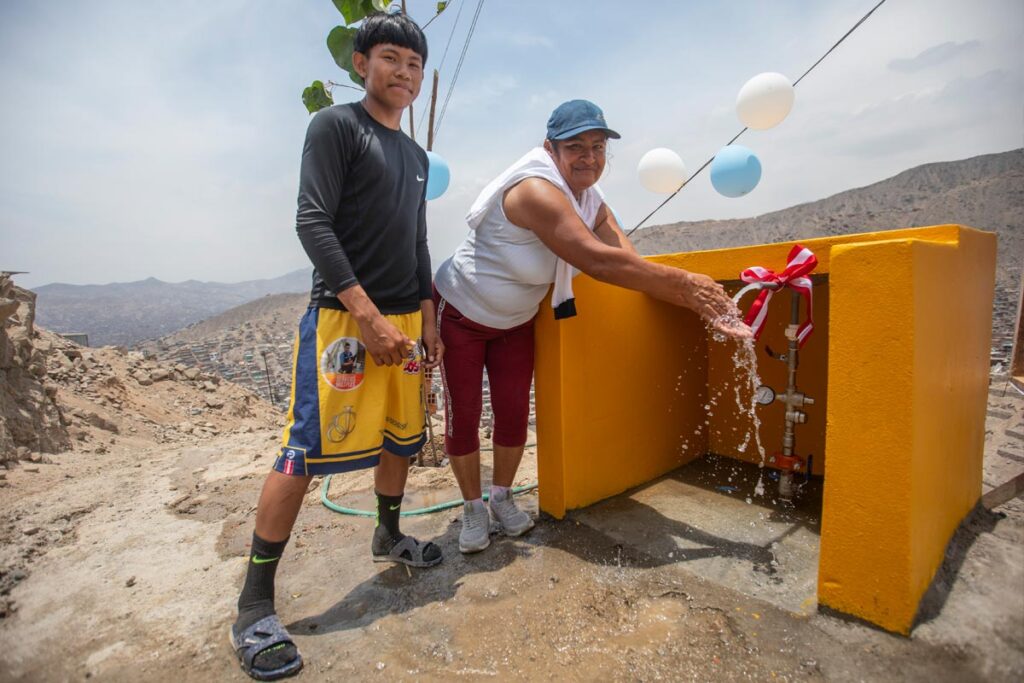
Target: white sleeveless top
(501, 272)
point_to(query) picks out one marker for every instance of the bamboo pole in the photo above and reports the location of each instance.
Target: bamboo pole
(430, 122)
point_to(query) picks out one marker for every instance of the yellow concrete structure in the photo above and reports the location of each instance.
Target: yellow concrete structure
(632, 388)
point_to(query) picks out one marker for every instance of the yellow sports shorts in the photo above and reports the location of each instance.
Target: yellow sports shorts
(345, 409)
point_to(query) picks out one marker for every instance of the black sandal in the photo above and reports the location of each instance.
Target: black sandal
(411, 552)
(261, 636)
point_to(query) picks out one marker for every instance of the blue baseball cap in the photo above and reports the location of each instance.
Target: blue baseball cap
(577, 116)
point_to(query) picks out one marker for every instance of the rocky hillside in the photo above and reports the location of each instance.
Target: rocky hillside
(269, 312)
(125, 313)
(56, 395)
(30, 416)
(250, 345)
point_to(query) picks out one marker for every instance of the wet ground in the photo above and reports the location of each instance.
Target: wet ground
(712, 517)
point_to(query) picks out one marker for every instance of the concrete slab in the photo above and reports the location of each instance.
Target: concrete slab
(709, 518)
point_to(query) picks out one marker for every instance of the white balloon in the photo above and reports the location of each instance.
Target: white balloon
(764, 101)
(661, 170)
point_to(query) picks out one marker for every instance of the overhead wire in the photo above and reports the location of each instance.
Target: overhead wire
(444, 56)
(458, 69)
(735, 137)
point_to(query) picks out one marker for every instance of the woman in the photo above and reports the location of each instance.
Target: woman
(529, 227)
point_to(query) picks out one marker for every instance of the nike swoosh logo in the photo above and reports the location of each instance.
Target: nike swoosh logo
(264, 560)
(418, 179)
(393, 507)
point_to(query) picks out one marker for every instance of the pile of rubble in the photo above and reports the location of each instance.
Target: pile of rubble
(30, 417)
(57, 396)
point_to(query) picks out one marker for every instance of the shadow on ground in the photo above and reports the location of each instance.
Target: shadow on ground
(979, 521)
(398, 590)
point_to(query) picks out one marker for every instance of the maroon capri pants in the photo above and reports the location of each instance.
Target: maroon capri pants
(508, 357)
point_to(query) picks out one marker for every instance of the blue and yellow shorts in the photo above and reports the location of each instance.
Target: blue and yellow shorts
(345, 408)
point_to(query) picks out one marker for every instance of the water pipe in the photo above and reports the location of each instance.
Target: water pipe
(787, 462)
(752, 286)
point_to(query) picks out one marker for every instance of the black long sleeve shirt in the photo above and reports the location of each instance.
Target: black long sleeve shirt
(362, 211)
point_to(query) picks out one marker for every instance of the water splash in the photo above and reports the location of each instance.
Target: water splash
(744, 360)
(729, 321)
(747, 380)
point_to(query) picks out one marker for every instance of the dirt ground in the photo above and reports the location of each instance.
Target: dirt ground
(124, 564)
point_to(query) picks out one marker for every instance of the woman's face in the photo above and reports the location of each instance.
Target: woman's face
(580, 159)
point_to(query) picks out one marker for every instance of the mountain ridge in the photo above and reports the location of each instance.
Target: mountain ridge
(984, 192)
(126, 313)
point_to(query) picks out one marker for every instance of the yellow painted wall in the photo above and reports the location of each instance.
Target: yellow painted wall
(610, 415)
(898, 363)
(925, 363)
(863, 565)
(953, 304)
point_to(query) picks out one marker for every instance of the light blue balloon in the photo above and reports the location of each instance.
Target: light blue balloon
(735, 171)
(438, 175)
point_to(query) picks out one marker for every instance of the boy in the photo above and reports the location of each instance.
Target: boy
(361, 220)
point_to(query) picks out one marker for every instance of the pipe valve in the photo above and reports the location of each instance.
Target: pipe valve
(796, 399)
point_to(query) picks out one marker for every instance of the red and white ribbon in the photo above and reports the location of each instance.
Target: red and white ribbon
(799, 264)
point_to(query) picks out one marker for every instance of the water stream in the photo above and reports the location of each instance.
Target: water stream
(747, 380)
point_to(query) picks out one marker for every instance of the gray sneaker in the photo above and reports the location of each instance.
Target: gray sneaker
(513, 521)
(476, 527)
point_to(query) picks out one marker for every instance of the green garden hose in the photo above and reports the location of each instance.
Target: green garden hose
(405, 513)
(418, 511)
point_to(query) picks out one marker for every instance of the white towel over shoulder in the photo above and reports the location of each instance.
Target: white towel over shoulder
(537, 163)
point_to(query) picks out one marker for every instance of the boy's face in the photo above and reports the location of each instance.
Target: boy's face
(392, 74)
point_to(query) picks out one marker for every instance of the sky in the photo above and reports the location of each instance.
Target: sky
(163, 139)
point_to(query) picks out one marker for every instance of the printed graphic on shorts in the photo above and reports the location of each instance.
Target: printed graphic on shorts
(341, 425)
(343, 363)
(414, 359)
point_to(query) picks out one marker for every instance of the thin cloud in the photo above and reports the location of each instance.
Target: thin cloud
(933, 56)
(522, 39)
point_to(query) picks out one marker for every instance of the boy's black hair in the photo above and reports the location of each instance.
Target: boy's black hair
(396, 29)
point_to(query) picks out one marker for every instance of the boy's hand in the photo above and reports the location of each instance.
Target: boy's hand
(384, 342)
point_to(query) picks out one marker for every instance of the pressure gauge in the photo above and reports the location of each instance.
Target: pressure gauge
(764, 395)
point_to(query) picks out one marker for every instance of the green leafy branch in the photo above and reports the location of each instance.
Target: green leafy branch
(340, 44)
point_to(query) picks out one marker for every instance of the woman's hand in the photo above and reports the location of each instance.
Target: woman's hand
(708, 299)
(433, 347)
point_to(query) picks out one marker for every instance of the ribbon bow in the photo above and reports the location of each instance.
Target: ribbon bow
(799, 263)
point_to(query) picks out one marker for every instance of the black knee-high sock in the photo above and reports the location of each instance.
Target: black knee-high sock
(386, 534)
(257, 598)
